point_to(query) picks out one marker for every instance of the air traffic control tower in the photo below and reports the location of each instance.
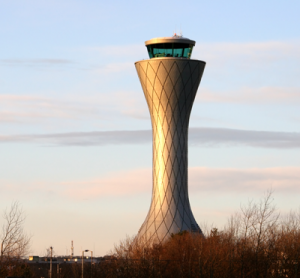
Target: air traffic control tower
(170, 79)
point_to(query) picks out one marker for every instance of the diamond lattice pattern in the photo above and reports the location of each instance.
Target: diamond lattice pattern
(170, 87)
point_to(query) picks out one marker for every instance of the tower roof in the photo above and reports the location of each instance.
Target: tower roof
(174, 39)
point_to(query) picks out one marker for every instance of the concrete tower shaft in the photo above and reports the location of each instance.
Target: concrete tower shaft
(170, 85)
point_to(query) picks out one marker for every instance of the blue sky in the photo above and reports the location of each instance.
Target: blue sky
(75, 141)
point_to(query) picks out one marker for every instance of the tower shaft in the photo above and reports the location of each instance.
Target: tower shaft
(170, 86)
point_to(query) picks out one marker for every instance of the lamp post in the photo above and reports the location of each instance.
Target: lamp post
(82, 260)
(51, 248)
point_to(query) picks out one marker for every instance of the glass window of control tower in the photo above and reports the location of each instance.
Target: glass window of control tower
(179, 50)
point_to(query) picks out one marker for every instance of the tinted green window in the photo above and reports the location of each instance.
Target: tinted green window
(179, 50)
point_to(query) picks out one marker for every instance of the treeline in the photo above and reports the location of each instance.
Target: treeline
(16, 267)
(256, 242)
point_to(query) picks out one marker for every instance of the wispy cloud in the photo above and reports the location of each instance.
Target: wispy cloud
(112, 59)
(32, 109)
(201, 179)
(111, 68)
(36, 62)
(115, 184)
(131, 52)
(237, 137)
(99, 138)
(209, 137)
(286, 179)
(251, 54)
(264, 95)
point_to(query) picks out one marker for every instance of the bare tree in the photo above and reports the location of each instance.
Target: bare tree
(14, 241)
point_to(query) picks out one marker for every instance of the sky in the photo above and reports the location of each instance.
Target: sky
(75, 131)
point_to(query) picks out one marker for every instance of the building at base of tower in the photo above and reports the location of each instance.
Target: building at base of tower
(170, 80)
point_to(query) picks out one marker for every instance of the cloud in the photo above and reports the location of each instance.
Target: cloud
(236, 137)
(131, 52)
(36, 62)
(204, 180)
(112, 59)
(285, 179)
(205, 137)
(264, 95)
(32, 109)
(111, 68)
(201, 179)
(246, 55)
(115, 184)
(95, 138)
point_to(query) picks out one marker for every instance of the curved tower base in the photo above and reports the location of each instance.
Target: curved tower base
(170, 86)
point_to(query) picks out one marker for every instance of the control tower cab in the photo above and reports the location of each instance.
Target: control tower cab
(175, 46)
